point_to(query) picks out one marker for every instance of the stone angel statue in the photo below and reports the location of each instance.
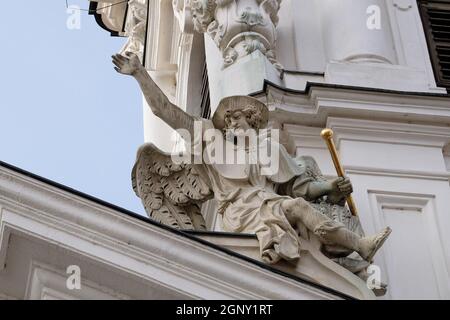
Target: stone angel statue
(280, 206)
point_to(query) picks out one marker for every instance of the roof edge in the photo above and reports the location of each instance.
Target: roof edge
(187, 234)
(312, 85)
(93, 6)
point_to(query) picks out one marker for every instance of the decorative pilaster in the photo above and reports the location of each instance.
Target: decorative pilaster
(349, 35)
(135, 27)
(239, 27)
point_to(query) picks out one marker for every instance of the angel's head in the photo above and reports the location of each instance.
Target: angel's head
(241, 120)
(238, 114)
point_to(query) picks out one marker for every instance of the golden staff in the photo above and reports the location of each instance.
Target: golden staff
(327, 135)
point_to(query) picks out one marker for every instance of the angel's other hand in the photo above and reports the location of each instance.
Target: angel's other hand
(345, 186)
(340, 189)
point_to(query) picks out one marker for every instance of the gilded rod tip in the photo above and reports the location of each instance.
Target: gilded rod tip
(327, 133)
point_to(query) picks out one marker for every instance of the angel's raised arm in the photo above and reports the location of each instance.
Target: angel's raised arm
(156, 99)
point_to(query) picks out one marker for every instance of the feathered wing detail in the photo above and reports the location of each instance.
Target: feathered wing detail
(197, 219)
(311, 167)
(342, 214)
(335, 212)
(171, 193)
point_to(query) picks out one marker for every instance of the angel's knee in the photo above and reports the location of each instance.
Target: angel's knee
(293, 208)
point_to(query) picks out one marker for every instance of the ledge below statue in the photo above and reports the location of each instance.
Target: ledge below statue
(312, 266)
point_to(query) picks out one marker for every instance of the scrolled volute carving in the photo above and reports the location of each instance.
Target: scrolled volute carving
(202, 13)
(135, 28)
(239, 27)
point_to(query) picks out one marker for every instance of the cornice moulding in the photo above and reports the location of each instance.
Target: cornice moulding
(392, 132)
(317, 102)
(110, 15)
(411, 174)
(34, 209)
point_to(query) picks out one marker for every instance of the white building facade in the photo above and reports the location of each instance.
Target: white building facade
(364, 68)
(59, 244)
(375, 71)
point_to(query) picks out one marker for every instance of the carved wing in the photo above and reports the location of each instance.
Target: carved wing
(311, 167)
(171, 193)
(335, 212)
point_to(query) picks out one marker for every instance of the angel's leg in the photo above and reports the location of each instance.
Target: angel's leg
(330, 231)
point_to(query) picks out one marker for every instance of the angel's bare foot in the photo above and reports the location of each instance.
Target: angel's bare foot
(370, 245)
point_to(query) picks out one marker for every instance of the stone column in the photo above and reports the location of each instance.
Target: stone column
(238, 27)
(240, 38)
(352, 34)
(135, 27)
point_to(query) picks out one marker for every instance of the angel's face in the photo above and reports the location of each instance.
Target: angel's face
(238, 124)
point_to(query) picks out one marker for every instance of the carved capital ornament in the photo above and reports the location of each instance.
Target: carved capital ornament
(239, 27)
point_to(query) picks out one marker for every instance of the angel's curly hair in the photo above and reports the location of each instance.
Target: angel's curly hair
(252, 114)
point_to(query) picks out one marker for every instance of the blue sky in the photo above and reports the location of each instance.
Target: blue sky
(65, 114)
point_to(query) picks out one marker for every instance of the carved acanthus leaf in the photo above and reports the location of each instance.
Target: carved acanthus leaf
(203, 13)
(135, 28)
(239, 27)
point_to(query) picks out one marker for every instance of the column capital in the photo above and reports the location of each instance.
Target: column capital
(238, 27)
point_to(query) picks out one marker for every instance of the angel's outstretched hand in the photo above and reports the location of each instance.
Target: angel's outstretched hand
(127, 64)
(130, 64)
